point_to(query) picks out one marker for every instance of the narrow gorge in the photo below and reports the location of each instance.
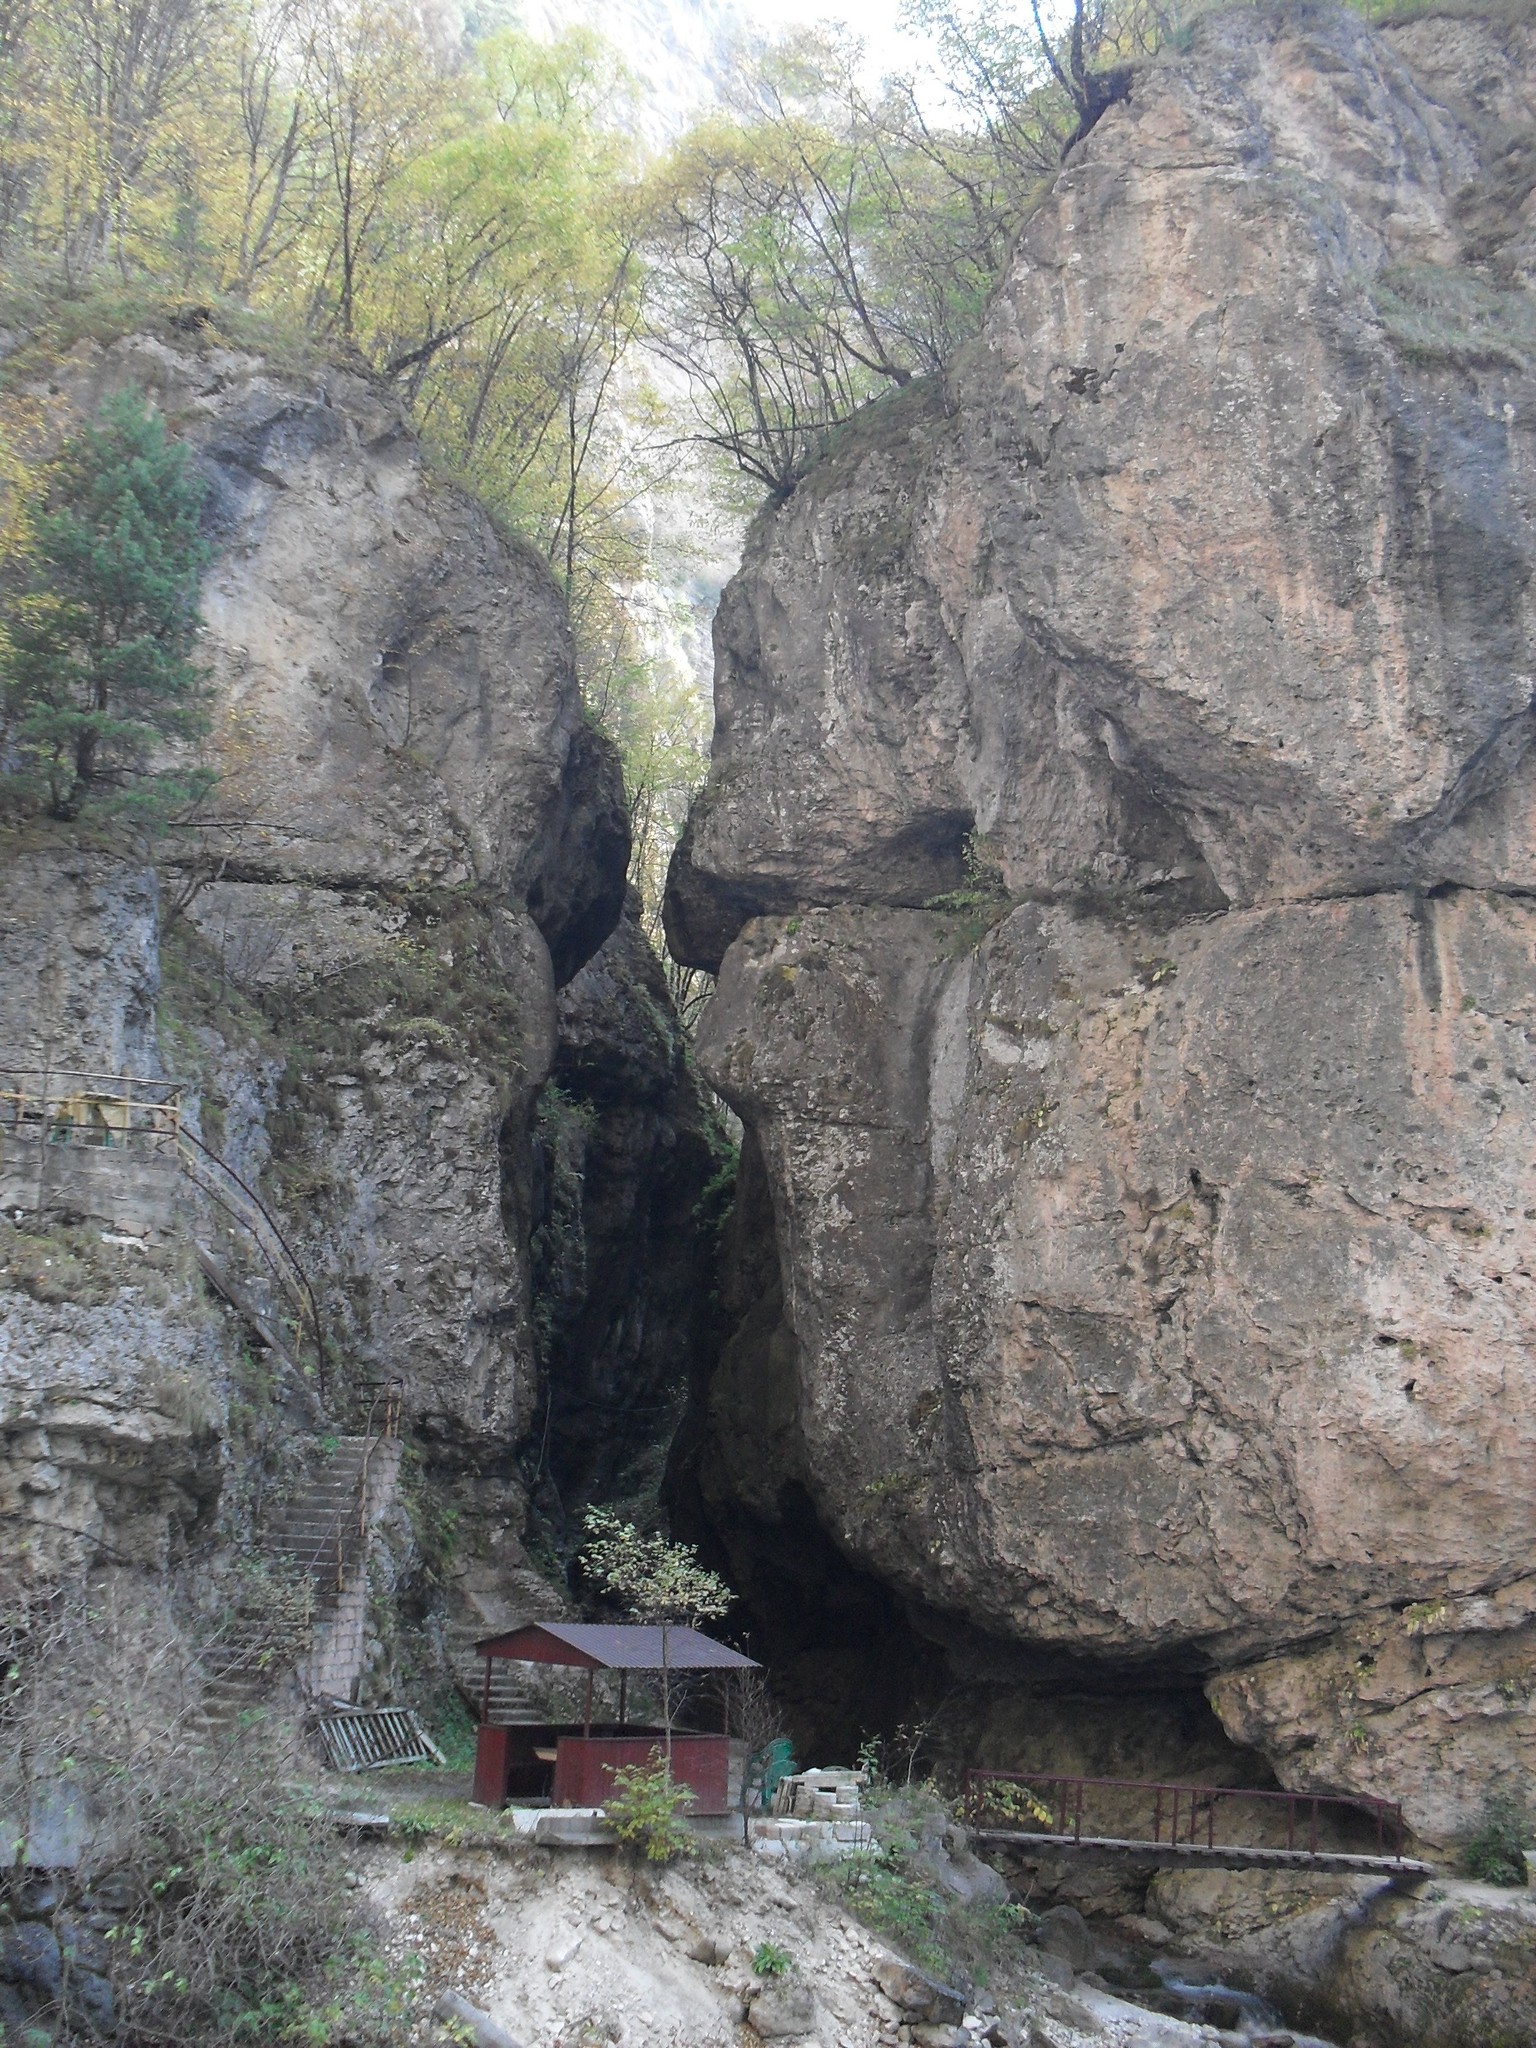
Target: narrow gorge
(1076, 1284)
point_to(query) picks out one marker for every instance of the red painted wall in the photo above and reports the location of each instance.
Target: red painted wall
(584, 1768)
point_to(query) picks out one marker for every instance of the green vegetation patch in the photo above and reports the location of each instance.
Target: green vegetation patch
(99, 624)
(648, 1811)
(892, 1889)
(1495, 1851)
(227, 1912)
(54, 318)
(59, 1262)
(1438, 315)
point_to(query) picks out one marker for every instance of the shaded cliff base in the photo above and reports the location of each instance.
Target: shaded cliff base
(851, 1664)
(1358, 1961)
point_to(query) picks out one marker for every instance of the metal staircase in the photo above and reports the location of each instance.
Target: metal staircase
(321, 1533)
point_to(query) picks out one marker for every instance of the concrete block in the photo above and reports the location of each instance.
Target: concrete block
(576, 1829)
(483, 2031)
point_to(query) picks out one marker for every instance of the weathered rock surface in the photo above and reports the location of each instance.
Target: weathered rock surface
(416, 837)
(80, 935)
(420, 802)
(1117, 845)
(111, 1421)
(1272, 1932)
(1453, 1968)
(1450, 1965)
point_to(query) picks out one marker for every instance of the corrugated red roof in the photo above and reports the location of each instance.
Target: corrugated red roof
(612, 1646)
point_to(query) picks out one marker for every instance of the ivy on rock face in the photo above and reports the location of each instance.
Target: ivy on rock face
(97, 657)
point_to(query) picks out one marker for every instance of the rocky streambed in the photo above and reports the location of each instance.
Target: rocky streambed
(1358, 1962)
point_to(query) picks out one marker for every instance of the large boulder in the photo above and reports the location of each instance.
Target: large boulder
(1117, 852)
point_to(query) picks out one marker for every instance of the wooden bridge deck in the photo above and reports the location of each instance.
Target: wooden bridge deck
(1221, 1855)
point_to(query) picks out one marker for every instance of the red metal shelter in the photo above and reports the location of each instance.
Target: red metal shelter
(532, 1760)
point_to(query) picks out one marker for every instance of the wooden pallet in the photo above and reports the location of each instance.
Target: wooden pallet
(368, 1738)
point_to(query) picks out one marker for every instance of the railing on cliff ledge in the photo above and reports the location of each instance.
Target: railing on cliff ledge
(78, 1107)
(1147, 1820)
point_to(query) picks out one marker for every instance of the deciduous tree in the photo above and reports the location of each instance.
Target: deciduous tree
(657, 1581)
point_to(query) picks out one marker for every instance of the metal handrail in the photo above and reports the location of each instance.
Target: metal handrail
(142, 1085)
(190, 1137)
(131, 1092)
(48, 1070)
(38, 1095)
(1070, 1790)
(391, 1392)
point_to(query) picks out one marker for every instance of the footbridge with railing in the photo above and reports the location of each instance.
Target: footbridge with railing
(120, 1146)
(1150, 1822)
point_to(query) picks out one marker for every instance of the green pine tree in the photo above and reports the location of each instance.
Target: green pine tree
(96, 660)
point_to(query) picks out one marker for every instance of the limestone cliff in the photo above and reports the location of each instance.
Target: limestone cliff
(348, 964)
(1118, 853)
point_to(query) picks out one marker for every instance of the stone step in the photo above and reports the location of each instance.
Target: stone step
(316, 1514)
(510, 1700)
(317, 1535)
(324, 1536)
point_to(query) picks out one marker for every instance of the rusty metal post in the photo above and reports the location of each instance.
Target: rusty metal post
(42, 1131)
(1077, 1821)
(1157, 1816)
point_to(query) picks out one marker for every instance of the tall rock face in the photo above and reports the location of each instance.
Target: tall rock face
(350, 963)
(1117, 855)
